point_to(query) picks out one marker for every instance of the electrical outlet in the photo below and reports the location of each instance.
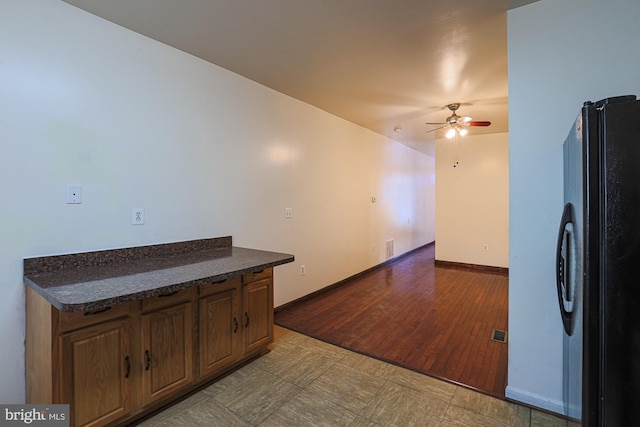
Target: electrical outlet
(137, 216)
(302, 270)
(485, 247)
(288, 213)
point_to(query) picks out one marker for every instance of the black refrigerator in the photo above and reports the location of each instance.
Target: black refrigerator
(598, 264)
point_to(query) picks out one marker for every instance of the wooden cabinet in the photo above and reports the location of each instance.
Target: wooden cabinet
(219, 326)
(84, 359)
(236, 320)
(110, 365)
(95, 368)
(257, 303)
(167, 345)
(116, 365)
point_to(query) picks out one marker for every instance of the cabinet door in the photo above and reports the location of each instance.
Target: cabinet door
(95, 373)
(167, 342)
(257, 303)
(219, 331)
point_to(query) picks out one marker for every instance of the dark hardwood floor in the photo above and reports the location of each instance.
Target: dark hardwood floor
(434, 320)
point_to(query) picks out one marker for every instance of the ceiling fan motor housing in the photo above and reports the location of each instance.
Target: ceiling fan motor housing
(453, 118)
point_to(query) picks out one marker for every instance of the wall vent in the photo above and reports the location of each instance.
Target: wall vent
(389, 248)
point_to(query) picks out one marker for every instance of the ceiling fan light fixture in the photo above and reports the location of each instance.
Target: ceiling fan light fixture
(462, 131)
(450, 133)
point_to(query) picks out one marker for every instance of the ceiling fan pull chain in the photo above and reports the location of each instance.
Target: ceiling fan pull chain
(456, 148)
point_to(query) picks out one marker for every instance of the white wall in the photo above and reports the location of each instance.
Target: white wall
(472, 200)
(561, 53)
(205, 152)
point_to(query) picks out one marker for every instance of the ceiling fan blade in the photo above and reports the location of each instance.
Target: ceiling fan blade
(478, 123)
(435, 129)
(428, 123)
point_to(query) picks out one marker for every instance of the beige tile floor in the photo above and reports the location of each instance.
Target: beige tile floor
(306, 382)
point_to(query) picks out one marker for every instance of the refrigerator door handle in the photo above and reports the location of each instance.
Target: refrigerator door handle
(565, 267)
(568, 253)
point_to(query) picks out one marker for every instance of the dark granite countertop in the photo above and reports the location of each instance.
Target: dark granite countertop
(96, 280)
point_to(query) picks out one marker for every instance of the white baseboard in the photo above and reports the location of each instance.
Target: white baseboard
(535, 400)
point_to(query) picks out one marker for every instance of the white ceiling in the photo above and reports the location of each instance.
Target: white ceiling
(376, 63)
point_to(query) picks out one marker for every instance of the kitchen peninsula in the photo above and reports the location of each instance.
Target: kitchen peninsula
(121, 333)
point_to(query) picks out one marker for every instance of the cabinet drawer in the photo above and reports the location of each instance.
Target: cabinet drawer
(75, 320)
(212, 288)
(167, 299)
(267, 273)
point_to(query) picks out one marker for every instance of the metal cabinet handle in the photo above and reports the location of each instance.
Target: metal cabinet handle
(235, 325)
(246, 319)
(127, 363)
(147, 358)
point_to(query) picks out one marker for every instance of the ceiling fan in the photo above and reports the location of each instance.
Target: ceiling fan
(457, 124)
